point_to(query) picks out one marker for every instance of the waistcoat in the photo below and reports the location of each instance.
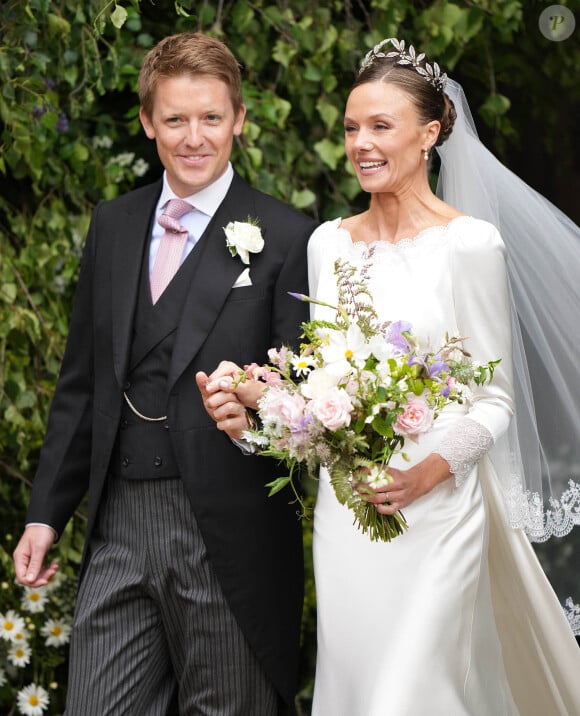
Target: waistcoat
(143, 449)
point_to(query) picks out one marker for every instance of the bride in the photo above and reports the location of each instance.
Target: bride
(454, 617)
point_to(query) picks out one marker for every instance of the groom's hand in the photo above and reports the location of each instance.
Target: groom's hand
(221, 403)
(30, 556)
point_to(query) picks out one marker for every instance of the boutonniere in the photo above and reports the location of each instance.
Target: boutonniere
(244, 238)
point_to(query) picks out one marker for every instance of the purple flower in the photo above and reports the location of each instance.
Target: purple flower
(37, 112)
(395, 337)
(438, 366)
(62, 124)
(415, 360)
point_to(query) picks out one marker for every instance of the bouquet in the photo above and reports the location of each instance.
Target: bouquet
(356, 390)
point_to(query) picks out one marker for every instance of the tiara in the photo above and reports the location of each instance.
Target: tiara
(432, 73)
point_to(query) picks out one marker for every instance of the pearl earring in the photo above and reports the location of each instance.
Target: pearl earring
(426, 155)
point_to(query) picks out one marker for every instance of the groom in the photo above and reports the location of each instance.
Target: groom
(192, 576)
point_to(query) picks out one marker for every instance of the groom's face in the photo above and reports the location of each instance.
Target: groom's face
(194, 124)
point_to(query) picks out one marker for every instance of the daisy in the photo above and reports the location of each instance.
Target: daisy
(10, 625)
(32, 700)
(56, 632)
(21, 637)
(34, 600)
(344, 347)
(19, 654)
(302, 364)
(55, 581)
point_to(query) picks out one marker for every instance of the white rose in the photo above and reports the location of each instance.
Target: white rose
(243, 238)
(319, 382)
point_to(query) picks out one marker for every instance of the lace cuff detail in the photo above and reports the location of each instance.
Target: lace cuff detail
(463, 446)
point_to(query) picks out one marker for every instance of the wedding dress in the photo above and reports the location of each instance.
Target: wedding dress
(455, 617)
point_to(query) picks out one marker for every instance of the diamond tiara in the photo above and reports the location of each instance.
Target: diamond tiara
(432, 73)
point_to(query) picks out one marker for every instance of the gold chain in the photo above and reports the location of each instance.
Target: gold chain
(140, 415)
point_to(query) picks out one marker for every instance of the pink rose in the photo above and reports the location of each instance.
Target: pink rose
(282, 409)
(332, 409)
(416, 418)
(272, 378)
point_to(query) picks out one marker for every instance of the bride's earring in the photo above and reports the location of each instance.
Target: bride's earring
(426, 155)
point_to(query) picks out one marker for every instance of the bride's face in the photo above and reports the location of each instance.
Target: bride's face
(385, 139)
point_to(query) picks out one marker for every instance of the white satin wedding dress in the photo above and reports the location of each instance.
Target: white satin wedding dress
(454, 617)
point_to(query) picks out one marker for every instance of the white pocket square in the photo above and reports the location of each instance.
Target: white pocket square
(243, 279)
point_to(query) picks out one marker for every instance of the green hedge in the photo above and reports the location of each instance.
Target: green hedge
(69, 135)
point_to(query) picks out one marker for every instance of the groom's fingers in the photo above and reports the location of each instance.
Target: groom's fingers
(231, 417)
(201, 379)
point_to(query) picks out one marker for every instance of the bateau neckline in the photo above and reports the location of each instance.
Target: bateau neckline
(405, 240)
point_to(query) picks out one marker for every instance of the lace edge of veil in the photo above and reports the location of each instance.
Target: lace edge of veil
(572, 612)
(526, 511)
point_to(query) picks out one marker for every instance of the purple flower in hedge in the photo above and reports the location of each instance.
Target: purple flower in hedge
(37, 112)
(62, 124)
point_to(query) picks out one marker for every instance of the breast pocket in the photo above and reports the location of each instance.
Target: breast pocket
(246, 293)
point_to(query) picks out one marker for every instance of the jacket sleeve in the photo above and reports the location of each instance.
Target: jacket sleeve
(62, 476)
(288, 313)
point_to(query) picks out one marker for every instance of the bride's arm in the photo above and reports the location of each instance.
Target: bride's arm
(482, 305)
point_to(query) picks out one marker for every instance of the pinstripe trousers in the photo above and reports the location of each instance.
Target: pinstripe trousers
(151, 617)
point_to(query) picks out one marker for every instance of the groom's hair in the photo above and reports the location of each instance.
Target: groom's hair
(189, 53)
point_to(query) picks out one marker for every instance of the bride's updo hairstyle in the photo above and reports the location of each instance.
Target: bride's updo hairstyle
(423, 82)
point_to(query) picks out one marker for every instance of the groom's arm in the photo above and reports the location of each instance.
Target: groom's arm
(289, 313)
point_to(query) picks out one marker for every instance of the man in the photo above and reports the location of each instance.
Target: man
(192, 576)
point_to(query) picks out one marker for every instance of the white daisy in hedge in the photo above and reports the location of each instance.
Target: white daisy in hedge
(32, 700)
(21, 637)
(56, 631)
(34, 600)
(54, 582)
(11, 624)
(19, 654)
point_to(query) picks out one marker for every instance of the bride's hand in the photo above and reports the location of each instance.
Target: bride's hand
(226, 374)
(408, 485)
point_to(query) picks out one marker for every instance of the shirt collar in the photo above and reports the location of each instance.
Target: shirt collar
(208, 199)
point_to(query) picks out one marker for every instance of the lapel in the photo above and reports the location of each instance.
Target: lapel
(130, 238)
(215, 274)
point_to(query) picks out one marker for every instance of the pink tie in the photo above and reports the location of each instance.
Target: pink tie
(170, 250)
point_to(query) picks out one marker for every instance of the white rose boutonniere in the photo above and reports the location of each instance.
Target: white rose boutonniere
(244, 238)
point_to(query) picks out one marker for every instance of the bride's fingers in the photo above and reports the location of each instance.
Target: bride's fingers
(377, 496)
(388, 508)
(250, 392)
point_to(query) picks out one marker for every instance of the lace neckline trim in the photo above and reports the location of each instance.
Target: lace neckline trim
(410, 241)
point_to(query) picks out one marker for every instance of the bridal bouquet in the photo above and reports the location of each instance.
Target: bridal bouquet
(352, 395)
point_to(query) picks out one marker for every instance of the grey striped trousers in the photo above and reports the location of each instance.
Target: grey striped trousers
(151, 617)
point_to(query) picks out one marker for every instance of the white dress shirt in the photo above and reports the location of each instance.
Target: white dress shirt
(205, 204)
